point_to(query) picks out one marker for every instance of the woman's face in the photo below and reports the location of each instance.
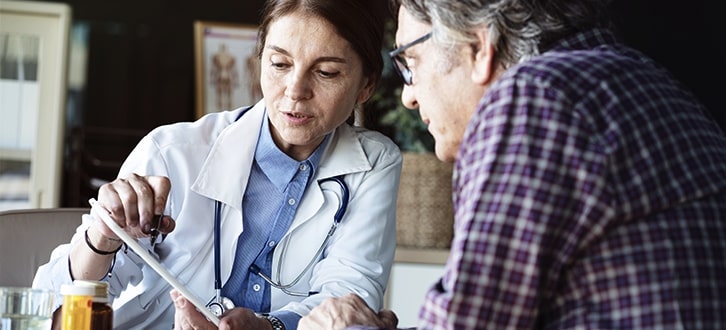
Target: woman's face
(311, 79)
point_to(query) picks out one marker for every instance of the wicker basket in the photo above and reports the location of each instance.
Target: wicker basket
(425, 212)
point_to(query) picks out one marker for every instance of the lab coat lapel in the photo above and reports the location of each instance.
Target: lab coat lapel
(224, 177)
(343, 155)
(225, 172)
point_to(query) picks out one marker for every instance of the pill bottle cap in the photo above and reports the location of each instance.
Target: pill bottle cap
(73, 290)
(100, 288)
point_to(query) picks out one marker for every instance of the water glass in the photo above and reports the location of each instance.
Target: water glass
(25, 308)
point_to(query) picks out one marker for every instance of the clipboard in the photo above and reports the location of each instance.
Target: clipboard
(100, 212)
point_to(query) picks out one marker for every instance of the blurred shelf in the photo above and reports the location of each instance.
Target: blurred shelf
(421, 256)
(15, 154)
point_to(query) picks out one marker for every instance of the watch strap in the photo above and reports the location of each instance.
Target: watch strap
(274, 321)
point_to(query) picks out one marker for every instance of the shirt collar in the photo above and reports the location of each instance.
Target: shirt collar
(586, 39)
(278, 166)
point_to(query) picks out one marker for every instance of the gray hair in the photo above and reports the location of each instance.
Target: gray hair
(518, 29)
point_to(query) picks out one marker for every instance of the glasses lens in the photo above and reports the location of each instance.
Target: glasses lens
(402, 70)
(400, 62)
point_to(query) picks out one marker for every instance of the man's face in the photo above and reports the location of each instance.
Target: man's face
(442, 87)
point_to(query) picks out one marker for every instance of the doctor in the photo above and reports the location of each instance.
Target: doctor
(267, 168)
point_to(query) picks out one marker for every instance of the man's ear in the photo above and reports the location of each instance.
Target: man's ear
(483, 66)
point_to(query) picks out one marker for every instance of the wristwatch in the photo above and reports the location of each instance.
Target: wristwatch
(274, 322)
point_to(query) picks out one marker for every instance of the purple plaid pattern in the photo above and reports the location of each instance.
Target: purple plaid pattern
(590, 193)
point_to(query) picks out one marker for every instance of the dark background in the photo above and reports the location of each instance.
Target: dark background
(140, 69)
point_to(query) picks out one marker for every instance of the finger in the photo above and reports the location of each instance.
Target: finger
(319, 318)
(119, 199)
(353, 303)
(174, 293)
(241, 318)
(327, 315)
(309, 322)
(145, 201)
(355, 300)
(188, 315)
(161, 186)
(389, 319)
(167, 224)
(353, 310)
(179, 321)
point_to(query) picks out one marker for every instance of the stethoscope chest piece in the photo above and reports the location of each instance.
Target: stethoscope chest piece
(220, 305)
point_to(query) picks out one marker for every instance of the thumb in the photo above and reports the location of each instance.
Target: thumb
(389, 319)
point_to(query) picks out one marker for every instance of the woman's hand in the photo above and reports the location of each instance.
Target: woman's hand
(132, 203)
(188, 317)
(342, 312)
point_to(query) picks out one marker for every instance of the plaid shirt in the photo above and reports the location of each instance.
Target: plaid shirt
(589, 193)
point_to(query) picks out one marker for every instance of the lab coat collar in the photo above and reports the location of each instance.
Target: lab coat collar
(343, 155)
(223, 176)
(225, 172)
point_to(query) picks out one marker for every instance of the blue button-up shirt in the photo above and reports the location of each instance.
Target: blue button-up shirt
(276, 185)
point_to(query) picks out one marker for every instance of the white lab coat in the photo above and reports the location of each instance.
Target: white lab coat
(210, 160)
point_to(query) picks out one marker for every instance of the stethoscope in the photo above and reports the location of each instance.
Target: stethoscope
(219, 304)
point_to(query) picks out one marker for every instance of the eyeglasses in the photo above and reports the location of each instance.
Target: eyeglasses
(399, 62)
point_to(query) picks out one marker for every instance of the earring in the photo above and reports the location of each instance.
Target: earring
(358, 115)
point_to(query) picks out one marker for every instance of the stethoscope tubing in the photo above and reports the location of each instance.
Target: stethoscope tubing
(217, 248)
(337, 218)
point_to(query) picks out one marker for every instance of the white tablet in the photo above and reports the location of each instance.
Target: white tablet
(100, 212)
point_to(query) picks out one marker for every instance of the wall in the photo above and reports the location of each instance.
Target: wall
(685, 37)
(139, 74)
(140, 70)
(141, 60)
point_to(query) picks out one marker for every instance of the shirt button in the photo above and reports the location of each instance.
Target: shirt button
(303, 167)
(271, 244)
(291, 201)
(256, 287)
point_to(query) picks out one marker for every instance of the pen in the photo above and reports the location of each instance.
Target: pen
(155, 224)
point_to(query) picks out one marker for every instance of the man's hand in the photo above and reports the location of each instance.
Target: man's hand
(340, 313)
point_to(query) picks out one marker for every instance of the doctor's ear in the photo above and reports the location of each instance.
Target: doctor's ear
(483, 54)
(367, 91)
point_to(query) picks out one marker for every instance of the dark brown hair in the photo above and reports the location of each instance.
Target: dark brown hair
(360, 22)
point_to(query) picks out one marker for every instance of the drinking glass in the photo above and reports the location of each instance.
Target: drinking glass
(25, 308)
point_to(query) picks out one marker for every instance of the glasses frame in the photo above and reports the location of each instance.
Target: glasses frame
(399, 65)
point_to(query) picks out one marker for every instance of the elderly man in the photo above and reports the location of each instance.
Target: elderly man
(589, 185)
